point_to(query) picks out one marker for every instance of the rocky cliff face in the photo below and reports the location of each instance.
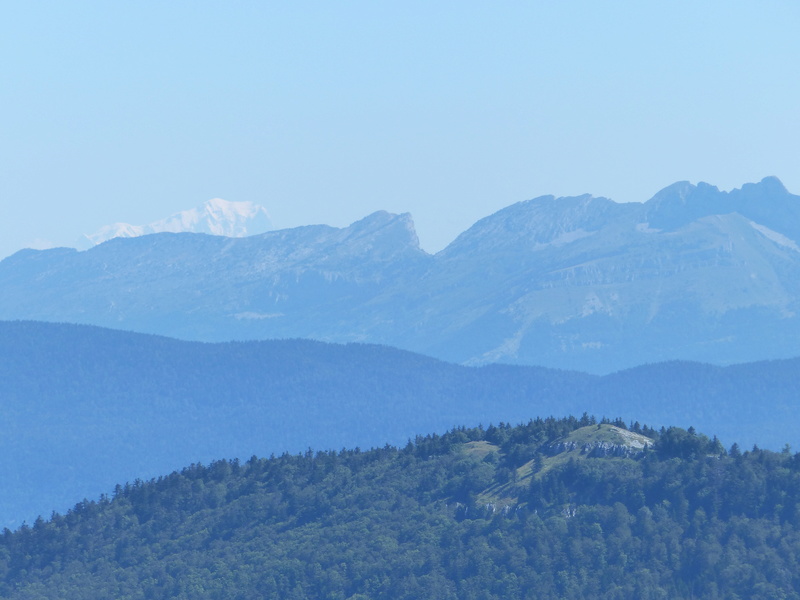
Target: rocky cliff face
(579, 283)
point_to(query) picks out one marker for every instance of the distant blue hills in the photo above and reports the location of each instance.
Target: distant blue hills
(85, 408)
(579, 283)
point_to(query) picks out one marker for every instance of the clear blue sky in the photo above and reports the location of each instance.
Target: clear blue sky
(326, 111)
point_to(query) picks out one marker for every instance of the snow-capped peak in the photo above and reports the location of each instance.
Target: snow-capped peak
(215, 217)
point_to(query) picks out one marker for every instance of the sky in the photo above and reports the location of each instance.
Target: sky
(324, 112)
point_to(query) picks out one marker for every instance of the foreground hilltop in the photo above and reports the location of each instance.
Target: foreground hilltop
(557, 508)
(85, 407)
(581, 283)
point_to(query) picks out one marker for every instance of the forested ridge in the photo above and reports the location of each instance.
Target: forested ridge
(86, 407)
(555, 508)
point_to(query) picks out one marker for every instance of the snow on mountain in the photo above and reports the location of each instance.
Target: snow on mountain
(214, 217)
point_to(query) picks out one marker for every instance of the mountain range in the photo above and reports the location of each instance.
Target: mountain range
(583, 283)
(215, 217)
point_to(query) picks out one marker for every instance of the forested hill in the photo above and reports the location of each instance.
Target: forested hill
(85, 407)
(555, 508)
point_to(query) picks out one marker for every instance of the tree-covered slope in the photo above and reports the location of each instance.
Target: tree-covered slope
(551, 509)
(84, 407)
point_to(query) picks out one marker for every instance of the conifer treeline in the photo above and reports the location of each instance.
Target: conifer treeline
(683, 519)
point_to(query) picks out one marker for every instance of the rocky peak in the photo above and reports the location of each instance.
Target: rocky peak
(381, 235)
(767, 202)
(535, 223)
(768, 188)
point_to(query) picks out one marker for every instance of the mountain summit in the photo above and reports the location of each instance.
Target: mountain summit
(215, 217)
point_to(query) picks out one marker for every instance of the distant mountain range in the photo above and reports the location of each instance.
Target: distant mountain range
(85, 408)
(215, 217)
(575, 283)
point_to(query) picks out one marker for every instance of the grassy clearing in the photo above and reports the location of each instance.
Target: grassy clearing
(590, 436)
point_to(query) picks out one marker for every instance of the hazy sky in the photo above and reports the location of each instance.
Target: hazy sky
(327, 111)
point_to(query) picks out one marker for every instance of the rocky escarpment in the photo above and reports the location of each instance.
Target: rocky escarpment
(597, 449)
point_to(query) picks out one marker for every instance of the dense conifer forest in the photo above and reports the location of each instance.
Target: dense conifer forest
(555, 508)
(85, 407)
